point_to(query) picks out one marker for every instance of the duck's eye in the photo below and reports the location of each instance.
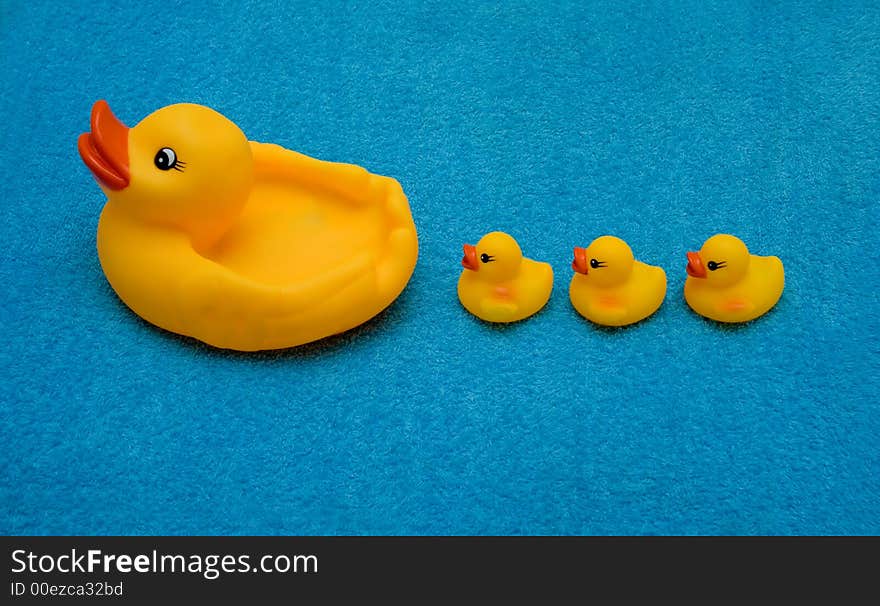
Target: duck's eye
(595, 264)
(712, 265)
(166, 159)
(486, 258)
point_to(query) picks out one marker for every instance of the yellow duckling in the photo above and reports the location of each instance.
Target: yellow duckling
(610, 287)
(243, 245)
(498, 284)
(727, 284)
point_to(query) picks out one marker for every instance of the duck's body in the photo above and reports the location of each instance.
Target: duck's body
(307, 249)
(753, 286)
(611, 288)
(507, 300)
(512, 289)
(620, 305)
(747, 299)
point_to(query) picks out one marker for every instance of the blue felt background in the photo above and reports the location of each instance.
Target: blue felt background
(556, 121)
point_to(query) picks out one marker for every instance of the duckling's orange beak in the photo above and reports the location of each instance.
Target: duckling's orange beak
(695, 267)
(580, 264)
(470, 258)
(105, 149)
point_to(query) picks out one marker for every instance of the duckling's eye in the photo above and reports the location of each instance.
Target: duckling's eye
(166, 159)
(712, 265)
(596, 264)
(486, 258)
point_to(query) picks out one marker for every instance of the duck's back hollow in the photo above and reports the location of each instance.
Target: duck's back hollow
(288, 233)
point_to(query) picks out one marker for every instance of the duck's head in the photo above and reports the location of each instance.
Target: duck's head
(496, 256)
(184, 166)
(722, 261)
(607, 261)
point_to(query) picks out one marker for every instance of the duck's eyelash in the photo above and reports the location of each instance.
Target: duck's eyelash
(721, 264)
(600, 263)
(179, 166)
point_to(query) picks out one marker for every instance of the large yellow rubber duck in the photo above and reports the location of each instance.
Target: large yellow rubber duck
(498, 284)
(610, 287)
(727, 284)
(243, 245)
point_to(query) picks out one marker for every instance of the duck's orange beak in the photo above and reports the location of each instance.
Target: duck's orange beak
(695, 267)
(105, 148)
(470, 258)
(580, 264)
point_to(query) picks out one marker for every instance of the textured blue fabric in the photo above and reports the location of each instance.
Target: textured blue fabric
(554, 121)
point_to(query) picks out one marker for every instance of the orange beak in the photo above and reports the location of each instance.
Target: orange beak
(470, 258)
(105, 148)
(695, 267)
(580, 264)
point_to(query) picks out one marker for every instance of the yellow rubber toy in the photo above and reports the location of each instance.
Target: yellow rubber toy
(498, 284)
(610, 287)
(243, 245)
(727, 284)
